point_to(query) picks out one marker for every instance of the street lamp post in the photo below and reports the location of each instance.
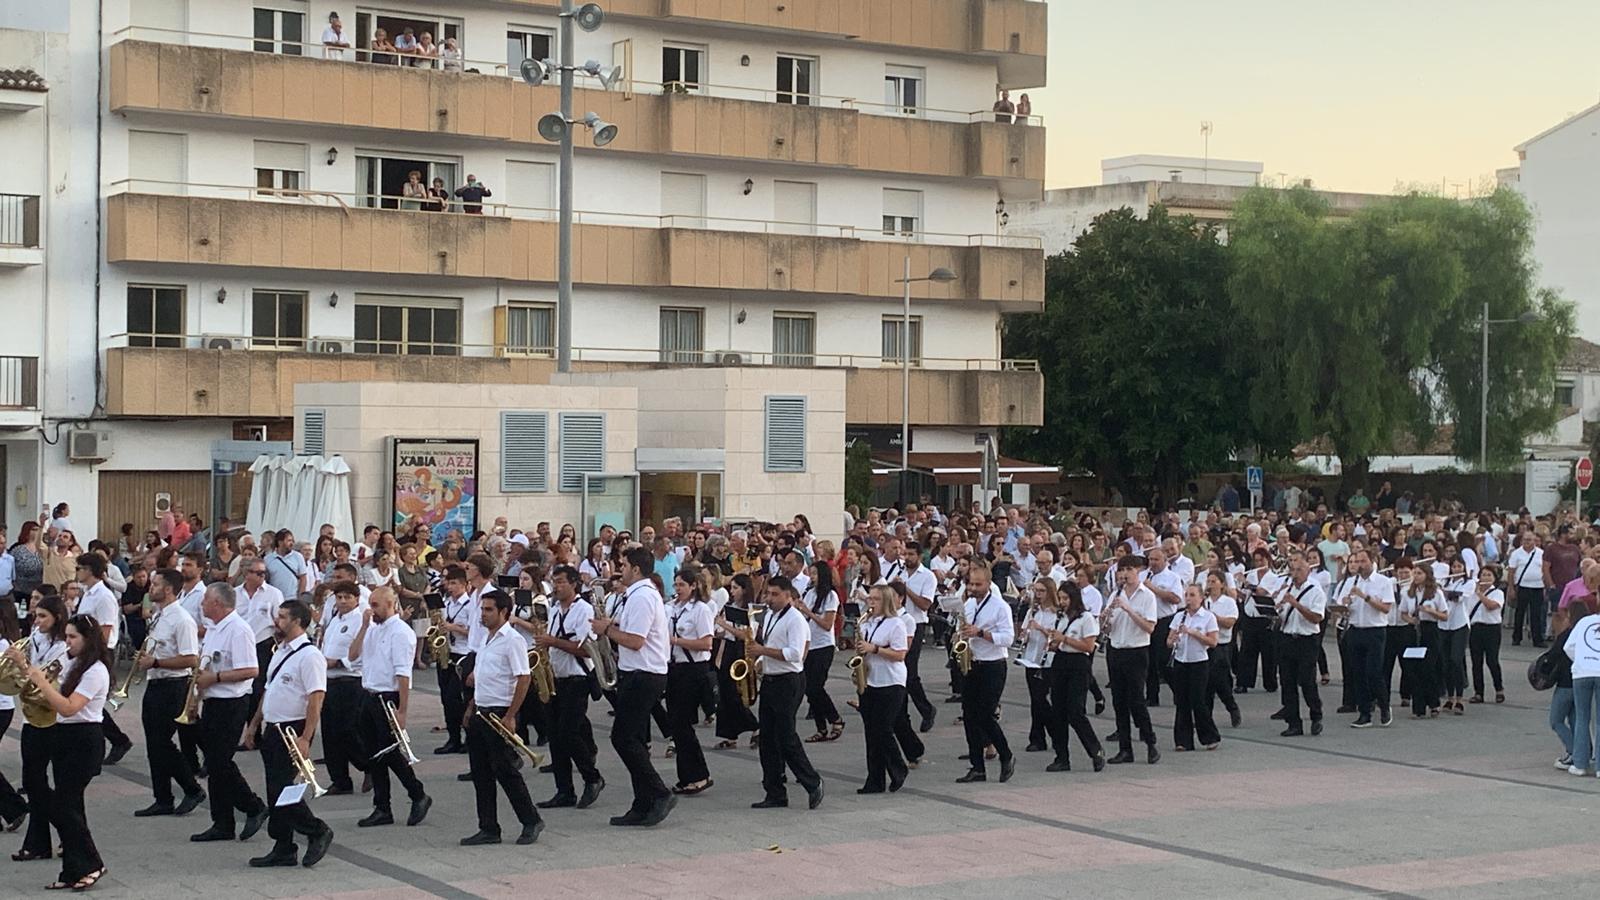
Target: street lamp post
(940, 275)
(1527, 318)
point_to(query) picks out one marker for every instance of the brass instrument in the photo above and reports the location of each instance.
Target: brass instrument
(602, 661)
(858, 672)
(191, 705)
(12, 678)
(437, 641)
(746, 673)
(35, 708)
(510, 737)
(306, 768)
(402, 741)
(960, 647)
(115, 700)
(544, 679)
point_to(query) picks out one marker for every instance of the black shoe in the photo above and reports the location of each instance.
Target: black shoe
(1234, 718)
(814, 798)
(1345, 710)
(317, 848)
(1292, 731)
(117, 752)
(1269, 688)
(591, 792)
(1385, 717)
(155, 809)
(657, 813)
(1099, 707)
(450, 746)
(530, 833)
(1153, 756)
(953, 698)
(559, 801)
(189, 803)
(1059, 765)
(1540, 644)
(1153, 704)
(419, 810)
(964, 757)
(1316, 727)
(277, 857)
(896, 783)
(1363, 722)
(1240, 689)
(971, 776)
(340, 790)
(252, 824)
(927, 723)
(1278, 716)
(547, 768)
(770, 803)
(1008, 767)
(375, 818)
(869, 790)
(1114, 737)
(1035, 748)
(211, 834)
(631, 817)
(479, 839)
(464, 776)
(1099, 762)
(1125, 756)
(201, 773)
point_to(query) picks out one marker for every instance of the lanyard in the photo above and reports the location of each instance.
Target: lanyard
(771, 623)
(273, 675)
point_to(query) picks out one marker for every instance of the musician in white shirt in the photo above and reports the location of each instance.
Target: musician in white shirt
(501, 678)
(385, 647)
(1300, 608)
(571, 737)
(1072, 641)
(1094, 603)
(1194, 632)
(174, 649)
(921, 588)
(1220, 599)
(1370, 597)
(1166, 584)
(1484, 621)
(1130, 618)
(883, 645)
(688, 677)
(989, 633)
(1042, 618)
(228, 666)
(780, 648)
(1256, 640)
(459, 612)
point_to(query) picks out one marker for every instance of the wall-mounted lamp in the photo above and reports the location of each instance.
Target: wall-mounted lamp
(333, 155)
(222, 295)
(748, 186)
(999, 206)
(744, 60)
(740, 317)
(333, 299)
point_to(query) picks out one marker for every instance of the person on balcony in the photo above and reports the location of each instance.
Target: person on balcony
(383, 50)
(334, 39)
(471, 195)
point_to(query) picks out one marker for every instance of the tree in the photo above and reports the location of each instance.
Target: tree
(1142, 372)
(858, 474)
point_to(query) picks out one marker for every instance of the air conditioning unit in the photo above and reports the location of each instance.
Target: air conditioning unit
(326, 346)
(88, 446)
(216, 342)
(729, 358)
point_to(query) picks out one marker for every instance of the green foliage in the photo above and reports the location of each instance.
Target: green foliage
(858, 475)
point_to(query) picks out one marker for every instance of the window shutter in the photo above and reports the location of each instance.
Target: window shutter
(583, 447)
(524, 452)
(314, 432)
(786, 434)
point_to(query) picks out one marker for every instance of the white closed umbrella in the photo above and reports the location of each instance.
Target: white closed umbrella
(333, 500)
(299, 493)
(254, 520)
(273, 483)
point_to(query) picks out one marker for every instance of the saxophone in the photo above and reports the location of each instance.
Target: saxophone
(437, 641)
(960, 647)
(544, 679)
(858, 663)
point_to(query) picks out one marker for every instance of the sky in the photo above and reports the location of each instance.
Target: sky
(1357, 95)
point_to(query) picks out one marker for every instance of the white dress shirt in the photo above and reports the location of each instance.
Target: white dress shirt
(1093, 601)
(95, 685)
(1168, 580)
(258, 611)
(1459, 606)
(924, 584)
(99, 602)
(172, 633)
(295, 672)
(1224, 607)
(6, 700)
(236, 643)
(1479, 613)
(501, 660)
(889, 632)
(1190, 649)
(1364, 614)
(1184, 566)
(1309, 595)
(993, 617)
(569, 624)
(386, 655)
(189, 598)
(461, 611)
(643, 613)
(1085, 627)
(1034, 641)
(820, 637)
(1526, 567)
(44, 650)
(476, 632)
(339, 630)
(691, 620)
(784, 630)
(1268, 582)
(1124, 632)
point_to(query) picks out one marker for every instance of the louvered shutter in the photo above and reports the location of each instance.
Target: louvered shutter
(583, 447)
(786, 434)
(524, 452)
(314, 432)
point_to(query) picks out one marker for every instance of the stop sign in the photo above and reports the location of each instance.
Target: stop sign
(1585, 473)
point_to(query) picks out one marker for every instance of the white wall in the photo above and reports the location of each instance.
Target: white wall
(1561, 179)
(1065, 213)
(1199, 170)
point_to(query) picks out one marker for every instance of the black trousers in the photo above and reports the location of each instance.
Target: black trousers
(284, 822)
(1351, 676)
(341, 732)
(533, 719)
(881, 707)
(1364, 648)
(572, 738)
(980, 700)
(222, 721)
(376, 735)
(1297, 669)
(1219, 678)
(259, 684)
(76, 749)
(12, 804)
(914, 691)
(1156, 670)
(733, 717)
(452, 698)
(1453, 645)
(780, 745)
(1040, 715)
(36, 781)
(1126, 669)
(112, 734)
(1484, 642)
(1425, 684)
(906, 736)
(818, 661)
(637, 693)
(493, 761)
(1530, 608)
(1189, 682)
(1069, 686)
(1396, 639)
(163, 702)
(1256, 644)
(686, 687)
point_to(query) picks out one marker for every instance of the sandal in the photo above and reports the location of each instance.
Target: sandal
(727, 745)
(57, 886)
(88, 881)
(755, 739)
(1499, 697)
(817, 738)
(1324, 679)
(1476, 698)
(28, 856)
(689, 790)
(836, 731)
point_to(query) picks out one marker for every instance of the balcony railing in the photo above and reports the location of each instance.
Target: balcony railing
(19, 382)
(19, 220)
(347, 200)
(629, 84)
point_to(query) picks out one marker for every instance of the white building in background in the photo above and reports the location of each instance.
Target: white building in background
(1151, 167)
(1559, 174)
(221, 216)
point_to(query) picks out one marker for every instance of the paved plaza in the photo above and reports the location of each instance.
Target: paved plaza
(1460, 806)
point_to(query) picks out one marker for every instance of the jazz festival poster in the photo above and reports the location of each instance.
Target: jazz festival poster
(435, 482)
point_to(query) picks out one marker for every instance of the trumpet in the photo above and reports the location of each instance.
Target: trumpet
(120, 695)
(191, 705)
(510, 737)
(402, 741)
(544, 679)
(305, 767)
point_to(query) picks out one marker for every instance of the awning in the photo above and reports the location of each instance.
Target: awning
(964, 468)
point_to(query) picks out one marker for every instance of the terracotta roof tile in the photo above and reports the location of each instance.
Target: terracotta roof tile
(22, 80)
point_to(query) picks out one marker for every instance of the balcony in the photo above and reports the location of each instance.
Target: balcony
(243, 383)
(19, 391)
(320, 231)
(712, 121)
(19, 231)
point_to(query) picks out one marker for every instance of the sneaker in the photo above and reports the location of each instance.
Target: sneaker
(1385, 717)
(1576, 770)
(1363, 722)
(1564, 762)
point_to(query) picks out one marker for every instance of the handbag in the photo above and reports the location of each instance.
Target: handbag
(1542, 671)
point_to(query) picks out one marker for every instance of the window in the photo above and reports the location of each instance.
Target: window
(530, 329)
(155, 315)
(1565, 394)
(415, 326)
(279, 31)
(524, 452)
(892, 339)
(902, 89)
(280, 167)
(683, 200)
(527, 43)
(682, 68)
(785, 445)
(682, 337)
(582, 439)
(794, 207)
(793, 339)
(797, 80)
(902, 212)
(278, 319)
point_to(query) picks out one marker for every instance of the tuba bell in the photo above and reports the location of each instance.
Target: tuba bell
(35, 708)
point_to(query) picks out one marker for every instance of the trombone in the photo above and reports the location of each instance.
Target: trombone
(510, 737)
(120, 695)
(306, 768)
(402, 741)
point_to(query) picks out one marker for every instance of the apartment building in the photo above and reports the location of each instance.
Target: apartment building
(775, 166)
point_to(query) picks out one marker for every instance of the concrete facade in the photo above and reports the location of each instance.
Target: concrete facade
(1558, 177)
